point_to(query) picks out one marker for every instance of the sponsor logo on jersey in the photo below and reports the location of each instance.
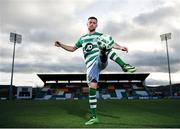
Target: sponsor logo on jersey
(88, 47)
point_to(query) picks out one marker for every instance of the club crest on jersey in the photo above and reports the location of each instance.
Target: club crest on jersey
(88, 47)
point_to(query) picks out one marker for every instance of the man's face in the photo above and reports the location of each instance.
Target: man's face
(92, 25)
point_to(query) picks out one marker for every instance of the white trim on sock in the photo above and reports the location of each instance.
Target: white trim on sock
(93, 106)
(115, 57)
(93, 101)
(92, 96)
(110, 54)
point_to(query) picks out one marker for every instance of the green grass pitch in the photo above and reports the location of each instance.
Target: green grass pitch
(74, 113)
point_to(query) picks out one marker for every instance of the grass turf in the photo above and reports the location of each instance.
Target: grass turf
(74, 113)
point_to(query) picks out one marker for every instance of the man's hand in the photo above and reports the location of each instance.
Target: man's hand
(124, 49)
(117, 46)
(66, 47)
(57, 44)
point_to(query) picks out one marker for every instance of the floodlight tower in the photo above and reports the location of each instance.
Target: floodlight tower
(15, 38)
(166, 37)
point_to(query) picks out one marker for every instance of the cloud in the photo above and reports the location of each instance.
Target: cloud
(157, 16)
(129, 31)
(44, 67)
(42, 59)
(156, 61)
(146, 26)
(41, 22)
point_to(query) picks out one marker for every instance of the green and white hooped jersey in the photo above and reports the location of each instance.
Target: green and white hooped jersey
(90, 47)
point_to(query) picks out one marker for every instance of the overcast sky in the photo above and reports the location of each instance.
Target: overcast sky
(136, 24)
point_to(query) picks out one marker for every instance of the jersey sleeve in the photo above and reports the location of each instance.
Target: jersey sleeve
(78, 44)
(111, 41)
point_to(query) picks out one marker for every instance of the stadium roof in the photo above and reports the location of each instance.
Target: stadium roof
(82, 77)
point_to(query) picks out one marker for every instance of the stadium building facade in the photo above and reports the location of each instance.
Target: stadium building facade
(110, 86)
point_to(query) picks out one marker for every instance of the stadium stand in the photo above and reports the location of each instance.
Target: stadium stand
(24, 92)
(4, 92)
(164, 91)
(110, 86)
(121, 88)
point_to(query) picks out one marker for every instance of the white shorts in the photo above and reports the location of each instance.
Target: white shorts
(94, 70)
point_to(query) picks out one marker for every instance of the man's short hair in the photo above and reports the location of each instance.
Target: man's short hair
(93, 18)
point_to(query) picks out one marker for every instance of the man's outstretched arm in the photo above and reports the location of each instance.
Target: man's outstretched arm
(117, 46)
(65, 47)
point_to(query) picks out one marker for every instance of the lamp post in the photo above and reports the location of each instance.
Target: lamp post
(15, 38)
(166, 37)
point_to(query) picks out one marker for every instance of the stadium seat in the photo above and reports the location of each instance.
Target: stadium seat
(119, 93)
(97, 94)
(106, 96)
(68, 95)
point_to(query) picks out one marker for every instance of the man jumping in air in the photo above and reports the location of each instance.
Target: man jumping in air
(95, 55)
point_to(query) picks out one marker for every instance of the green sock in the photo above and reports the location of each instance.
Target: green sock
(113, 56)
(92, 101)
